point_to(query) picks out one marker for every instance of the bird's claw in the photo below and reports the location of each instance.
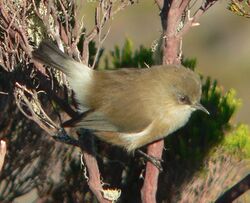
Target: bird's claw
(155, 161)
(63, 137)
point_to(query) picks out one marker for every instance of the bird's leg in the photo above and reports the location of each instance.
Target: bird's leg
(71, 122)
(63, 137)
(155, 161)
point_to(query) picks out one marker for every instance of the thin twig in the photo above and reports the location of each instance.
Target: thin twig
(193, 20)
(235, 191)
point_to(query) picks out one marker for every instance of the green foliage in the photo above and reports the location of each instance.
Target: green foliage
(222, 107)
(189, 63)
(238, 141)
(125, 57)
(193, 142)
(92, 51)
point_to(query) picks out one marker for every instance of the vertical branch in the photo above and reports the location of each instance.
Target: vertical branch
(170, 19)
(174, 26)
(88, 159)
(94, 177)
(149, 189)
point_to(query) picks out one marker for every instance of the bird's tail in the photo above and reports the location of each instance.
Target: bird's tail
(49, 54)
(78, 74)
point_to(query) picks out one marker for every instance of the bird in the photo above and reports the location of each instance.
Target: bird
(128, 107)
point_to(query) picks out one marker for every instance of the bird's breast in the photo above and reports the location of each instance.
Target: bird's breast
(158, 129)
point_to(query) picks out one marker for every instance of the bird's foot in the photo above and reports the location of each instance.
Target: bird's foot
(63, 137)
(155, 161)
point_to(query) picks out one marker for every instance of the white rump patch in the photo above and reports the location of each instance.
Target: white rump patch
(80, 79)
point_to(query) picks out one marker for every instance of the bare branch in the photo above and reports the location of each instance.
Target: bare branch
(94, 177)
(103, 13)
(194, 20)
(36, 113)
(149, 189)
(235, 191)
(183, 5)
(173, 31)
(85, 52)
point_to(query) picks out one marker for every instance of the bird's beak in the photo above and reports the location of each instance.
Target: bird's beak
(198, 106)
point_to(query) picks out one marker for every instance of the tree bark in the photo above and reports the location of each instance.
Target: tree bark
(174, 26)
(235, 191)
(149, 189)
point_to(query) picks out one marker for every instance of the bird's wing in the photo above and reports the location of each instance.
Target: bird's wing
(96, 121)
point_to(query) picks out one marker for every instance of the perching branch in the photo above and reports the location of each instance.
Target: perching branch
(175, 23)
(149, 189)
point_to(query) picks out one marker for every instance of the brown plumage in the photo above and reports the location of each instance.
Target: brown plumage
(130, 107)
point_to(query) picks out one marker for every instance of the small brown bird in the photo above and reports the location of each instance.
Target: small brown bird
(129, 107)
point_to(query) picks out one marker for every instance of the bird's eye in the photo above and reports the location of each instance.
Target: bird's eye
(184, 99)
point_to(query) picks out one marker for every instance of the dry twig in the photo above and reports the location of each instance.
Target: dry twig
(59, 20)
